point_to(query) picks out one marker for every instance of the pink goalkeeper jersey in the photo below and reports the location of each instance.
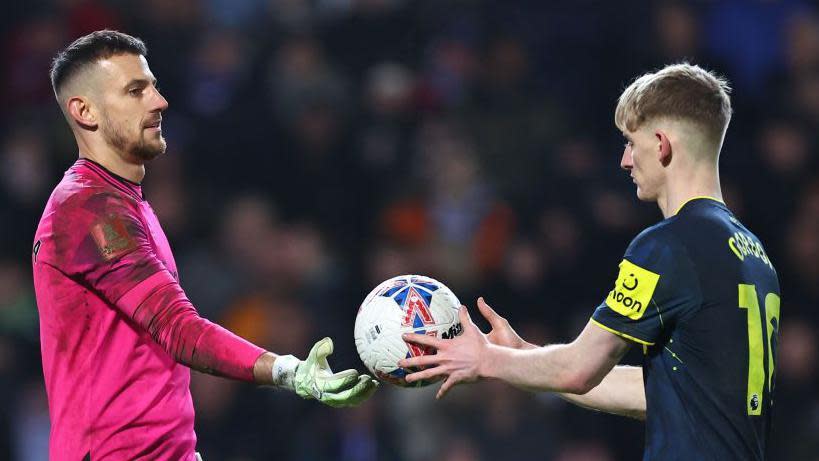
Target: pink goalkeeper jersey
(114, 324)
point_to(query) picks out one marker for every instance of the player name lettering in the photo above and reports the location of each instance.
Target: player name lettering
(742, 245)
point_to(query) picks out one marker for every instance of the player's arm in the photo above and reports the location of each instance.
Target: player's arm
(582, 372)
(621, 392)
(574, 368)
(194, 341)
(112, 255)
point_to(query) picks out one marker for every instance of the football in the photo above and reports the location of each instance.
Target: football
(403, 304)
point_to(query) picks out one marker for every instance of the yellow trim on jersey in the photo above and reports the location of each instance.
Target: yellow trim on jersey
(697, 198)
(621, 334)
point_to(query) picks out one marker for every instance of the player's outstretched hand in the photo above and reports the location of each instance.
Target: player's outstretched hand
(502, 333)
(458, 359)
(313, 379)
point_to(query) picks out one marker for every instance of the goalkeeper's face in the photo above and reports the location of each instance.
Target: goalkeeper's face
(131, 107)
(642, 159)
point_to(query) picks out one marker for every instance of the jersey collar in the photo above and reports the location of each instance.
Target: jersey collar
(124, 184)
(699, 197)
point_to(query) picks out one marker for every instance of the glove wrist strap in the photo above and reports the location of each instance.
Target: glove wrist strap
(284, 371)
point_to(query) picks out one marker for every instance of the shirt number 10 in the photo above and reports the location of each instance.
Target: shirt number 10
(748, 299)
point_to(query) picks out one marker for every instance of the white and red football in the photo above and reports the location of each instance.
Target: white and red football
(403, 304)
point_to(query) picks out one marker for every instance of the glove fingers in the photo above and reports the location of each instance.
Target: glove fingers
(363, 389)
(319, 353)
(315, 379)
(338, 382)
(321, 349)
(367, 388)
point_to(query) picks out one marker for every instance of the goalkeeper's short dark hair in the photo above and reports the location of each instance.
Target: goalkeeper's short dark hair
(90, 48)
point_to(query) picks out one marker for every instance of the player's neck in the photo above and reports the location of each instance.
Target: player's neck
(682, 188)
(113, 161)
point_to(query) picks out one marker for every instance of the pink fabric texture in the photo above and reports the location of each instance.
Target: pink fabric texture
(116, 326)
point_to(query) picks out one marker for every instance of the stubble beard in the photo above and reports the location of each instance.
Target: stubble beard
(140, 149)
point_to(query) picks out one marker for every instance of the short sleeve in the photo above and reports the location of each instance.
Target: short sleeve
(656, 286)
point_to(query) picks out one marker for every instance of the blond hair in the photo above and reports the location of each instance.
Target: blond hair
(679, 91)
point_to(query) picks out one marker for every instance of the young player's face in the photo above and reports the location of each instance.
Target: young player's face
(642, 160)
(131, 107)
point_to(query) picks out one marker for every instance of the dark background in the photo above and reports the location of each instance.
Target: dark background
(319, 147)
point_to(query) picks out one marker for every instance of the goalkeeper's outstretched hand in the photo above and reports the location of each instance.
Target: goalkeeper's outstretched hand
(313, 378)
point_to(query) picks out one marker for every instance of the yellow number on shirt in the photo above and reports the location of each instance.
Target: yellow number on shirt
(748, 299)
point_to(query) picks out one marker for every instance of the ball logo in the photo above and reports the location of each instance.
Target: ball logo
(416, 310)
(416, 351)
(633, 290)
(453, 331)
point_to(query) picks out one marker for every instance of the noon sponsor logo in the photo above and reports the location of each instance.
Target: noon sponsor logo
(633, 290)
(624, 299)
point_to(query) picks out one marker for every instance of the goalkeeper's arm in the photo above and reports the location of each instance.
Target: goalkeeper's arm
(160, 306)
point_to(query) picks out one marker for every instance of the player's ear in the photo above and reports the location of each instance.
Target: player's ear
(663, 147)
(81, 111)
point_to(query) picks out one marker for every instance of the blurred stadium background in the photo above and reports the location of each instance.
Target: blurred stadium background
(319, 147)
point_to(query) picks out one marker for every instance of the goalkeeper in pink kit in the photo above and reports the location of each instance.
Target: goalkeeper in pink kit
(117, 331)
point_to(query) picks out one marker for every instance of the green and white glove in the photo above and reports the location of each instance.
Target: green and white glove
(313, 378)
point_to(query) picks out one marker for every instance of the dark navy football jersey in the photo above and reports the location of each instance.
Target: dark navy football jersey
(700, 294)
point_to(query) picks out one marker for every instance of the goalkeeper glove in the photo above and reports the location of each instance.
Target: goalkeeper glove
(313, 378)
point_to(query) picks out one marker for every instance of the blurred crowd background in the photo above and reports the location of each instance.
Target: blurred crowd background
(319, 147)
